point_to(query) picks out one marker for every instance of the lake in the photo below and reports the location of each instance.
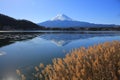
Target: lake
(25, 50)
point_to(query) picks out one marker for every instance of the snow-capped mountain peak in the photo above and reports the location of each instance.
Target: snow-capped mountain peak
(61, 17)
(63, 21)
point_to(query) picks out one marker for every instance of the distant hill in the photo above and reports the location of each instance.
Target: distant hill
(63, 21)
(9, 23)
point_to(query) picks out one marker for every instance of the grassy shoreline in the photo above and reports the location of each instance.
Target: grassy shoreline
(98, 62)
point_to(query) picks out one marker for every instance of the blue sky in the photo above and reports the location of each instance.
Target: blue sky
(95, 11)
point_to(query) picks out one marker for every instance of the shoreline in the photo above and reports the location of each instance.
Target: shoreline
(56, 31)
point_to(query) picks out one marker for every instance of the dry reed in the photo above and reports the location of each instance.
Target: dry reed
(99, 62)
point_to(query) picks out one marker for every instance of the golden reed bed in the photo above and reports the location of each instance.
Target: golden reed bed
(98, 62)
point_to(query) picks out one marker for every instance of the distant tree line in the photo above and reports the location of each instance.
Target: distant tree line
(88, 29)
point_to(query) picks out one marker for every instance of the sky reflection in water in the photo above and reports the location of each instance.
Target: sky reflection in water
(42, 49)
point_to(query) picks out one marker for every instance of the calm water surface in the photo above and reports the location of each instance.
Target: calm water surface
(26, 53)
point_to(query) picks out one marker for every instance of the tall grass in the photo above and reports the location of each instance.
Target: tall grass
(99, 62)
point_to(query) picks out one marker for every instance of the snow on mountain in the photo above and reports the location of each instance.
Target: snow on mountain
(61, 17)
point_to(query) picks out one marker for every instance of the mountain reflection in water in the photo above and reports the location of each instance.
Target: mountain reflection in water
(60, 39)
(64, 39)
(25, 50)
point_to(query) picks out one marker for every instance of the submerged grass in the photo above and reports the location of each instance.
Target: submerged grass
(99, 62)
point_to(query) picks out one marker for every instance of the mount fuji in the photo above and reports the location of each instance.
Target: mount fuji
(63, 21)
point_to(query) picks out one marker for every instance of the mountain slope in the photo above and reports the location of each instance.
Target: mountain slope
(67, 24)
(9, 23)
(63, 21)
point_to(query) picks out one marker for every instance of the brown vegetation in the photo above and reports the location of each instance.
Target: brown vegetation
(99, 62)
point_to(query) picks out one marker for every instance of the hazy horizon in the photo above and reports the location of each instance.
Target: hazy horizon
(93, 11)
